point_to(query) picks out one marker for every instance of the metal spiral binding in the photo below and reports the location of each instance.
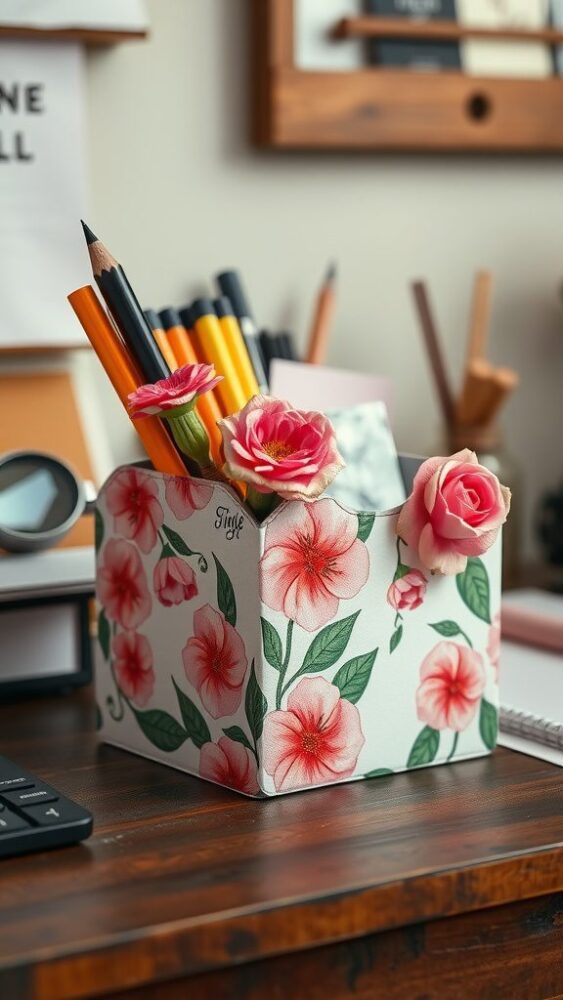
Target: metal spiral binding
(532, 727)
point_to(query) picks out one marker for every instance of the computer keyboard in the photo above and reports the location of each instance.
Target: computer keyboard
(34, 816)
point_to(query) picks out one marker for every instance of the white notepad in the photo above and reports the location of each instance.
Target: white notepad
(531, 698)
(499, 58)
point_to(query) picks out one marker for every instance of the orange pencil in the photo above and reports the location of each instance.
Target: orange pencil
(162, 343)
(322, 319)
(125, 378)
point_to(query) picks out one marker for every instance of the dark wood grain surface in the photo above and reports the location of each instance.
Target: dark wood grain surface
(335, 887)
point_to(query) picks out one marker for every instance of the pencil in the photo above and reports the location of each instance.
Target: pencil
(434, 350)
(230, 284)
(125, 309)
(207, 406)
(124, 377)
(322, 319)
(162, 341)
(214, 348)
(236, 346)
(477, 392)
(480, 314)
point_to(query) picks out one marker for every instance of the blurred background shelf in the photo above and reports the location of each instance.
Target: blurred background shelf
(93, 36)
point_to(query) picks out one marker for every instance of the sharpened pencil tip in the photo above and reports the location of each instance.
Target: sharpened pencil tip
(90, 236)
(331, 272)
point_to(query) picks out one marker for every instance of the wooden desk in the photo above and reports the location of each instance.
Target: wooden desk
(442, 883)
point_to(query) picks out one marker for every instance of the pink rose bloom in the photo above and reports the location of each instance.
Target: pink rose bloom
(184, 494)
(280, 450)
(455, 510)
(452, 680)
(133, 665)
(318, 739)
(231, 764)
(132, 498)
(122, 584)
(180, 389)
(312, 560)
(493, 645)
(174, 581)
(407, 592)
(215, 662)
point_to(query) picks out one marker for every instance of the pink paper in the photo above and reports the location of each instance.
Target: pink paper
(318, 387)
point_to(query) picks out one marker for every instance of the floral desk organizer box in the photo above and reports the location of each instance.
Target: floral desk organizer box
(311, 649)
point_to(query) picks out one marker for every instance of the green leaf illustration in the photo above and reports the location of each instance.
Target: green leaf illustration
(177, 542)
(424, 748)
(473, 587)
(447, 628)
(236, 734)
(99, 717)
(379, 772)
(197, 729)
(395, 639)
(104, 633)
(255, 705)
(272, 644)
(161, 729)
(328, 646)
(365, 524)
(353, 677)
(488, 724)
(225, 594)
(98, 529)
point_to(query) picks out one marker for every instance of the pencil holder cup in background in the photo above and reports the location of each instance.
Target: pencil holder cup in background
(282, 656)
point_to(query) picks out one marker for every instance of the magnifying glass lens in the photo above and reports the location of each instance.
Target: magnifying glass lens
(36, 494)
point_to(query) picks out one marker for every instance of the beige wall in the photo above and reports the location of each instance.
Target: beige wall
(178, 193)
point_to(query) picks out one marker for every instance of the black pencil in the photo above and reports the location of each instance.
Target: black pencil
(125, 309)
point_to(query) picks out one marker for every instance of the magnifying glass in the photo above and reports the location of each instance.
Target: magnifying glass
(40, 500)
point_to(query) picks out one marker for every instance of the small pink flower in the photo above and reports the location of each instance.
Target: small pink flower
(180, 389)
(122, 584)
(132, 498)
(493, 645)
(317, 740)
(407, 592)
(174, 581)
(184, 494)
(312, 560)
(455, 510)
(133, 665)
(280, 450)
(231, 764)
(215, 662)
(452, 682)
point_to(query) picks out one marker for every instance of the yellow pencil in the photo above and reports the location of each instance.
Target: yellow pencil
(213, 348)
(236, 346)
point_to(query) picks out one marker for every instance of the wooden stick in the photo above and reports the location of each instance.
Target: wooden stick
(438, 30)
(476, 394)
(434, 350)
(505, 381)
(480, 315)
(322, 320)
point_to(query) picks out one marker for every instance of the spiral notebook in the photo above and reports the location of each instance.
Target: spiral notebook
(531, 697)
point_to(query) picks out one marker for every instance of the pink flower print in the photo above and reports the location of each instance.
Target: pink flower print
(133, 665)
(231, 764)
(215, 662)
(174, 581)
(317, 740)
(407, 592)
(452, 683)
(312, 560)
(179, 390)
(493, 645)
(122, 584)
(184, 494)
(132, 498)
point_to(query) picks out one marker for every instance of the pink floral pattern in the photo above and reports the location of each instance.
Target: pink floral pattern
(231, 764)
(317, 740)
(312, 560)
(452, 681)
(406, 593)
(493, 644)
(184, 495)
(215, 662)
(132, 498)
(122, 584)
(133, 665)
(174, 581)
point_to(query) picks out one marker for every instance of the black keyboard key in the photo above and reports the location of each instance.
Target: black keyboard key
(57, 812)
(29, 796)
(16, 782)
(10, 821)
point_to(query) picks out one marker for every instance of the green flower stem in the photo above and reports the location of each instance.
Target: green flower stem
(261, 504)
(280, 688)
(454, 747)
(191, 437)
(110, 700)
(466, 637)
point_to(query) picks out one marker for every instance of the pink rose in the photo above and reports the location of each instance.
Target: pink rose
(184, 494)
(174, 581)
(122, 584)
(215, 662)
(455, 510)
(452, 680)
(280, 450)
(493, 645)
(133, 665)
(231, 764)
(407, 592)
(317, 740)
(180, 389)
(132, 498)
(312, 560)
